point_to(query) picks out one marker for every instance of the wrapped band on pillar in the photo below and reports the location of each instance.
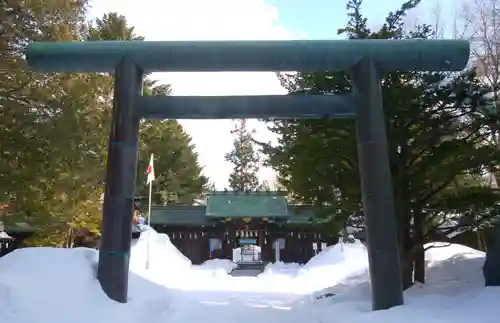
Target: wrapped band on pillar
(118, 209)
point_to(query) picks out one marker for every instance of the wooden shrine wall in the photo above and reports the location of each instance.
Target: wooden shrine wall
(194, 243)
(299, 246)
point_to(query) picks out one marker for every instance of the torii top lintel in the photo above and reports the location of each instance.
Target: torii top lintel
(211, 56)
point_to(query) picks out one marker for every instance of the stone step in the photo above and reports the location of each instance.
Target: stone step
(251, 266)
(248, 269)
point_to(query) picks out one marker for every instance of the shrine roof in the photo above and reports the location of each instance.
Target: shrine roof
(246, 205)
(195, 216)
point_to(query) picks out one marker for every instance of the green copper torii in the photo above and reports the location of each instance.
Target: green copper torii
(362, 59)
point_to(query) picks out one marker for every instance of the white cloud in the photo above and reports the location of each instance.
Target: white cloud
(208, 20)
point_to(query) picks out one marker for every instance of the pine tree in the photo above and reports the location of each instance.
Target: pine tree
(437, 148)
(244, 158)
(179, 178)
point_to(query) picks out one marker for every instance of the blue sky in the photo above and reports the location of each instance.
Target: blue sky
(320, 19)
(238, 20)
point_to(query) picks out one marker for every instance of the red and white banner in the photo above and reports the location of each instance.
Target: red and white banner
(151, 171)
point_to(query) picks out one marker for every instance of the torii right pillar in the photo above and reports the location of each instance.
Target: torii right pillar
(376, 186)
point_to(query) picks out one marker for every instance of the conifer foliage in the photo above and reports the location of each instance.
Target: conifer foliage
(244, 158)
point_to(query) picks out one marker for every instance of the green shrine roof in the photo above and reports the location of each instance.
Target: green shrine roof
(178, 214)
(247, 204)
(220, 206)
(271, 206)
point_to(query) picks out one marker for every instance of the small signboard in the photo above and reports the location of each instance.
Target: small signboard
(315, 246)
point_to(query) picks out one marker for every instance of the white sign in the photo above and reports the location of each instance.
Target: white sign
(277, 251)
(323, 245)
(315, 246)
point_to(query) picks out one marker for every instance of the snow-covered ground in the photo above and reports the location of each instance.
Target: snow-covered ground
(46, 285)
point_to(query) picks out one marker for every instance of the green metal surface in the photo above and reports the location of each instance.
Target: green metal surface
(255, 56)
(244, 205)
(195, 215)
(257, 106)
(18, 227)
(178, 215)
(301, 214)
(376, 187)
(22, 227)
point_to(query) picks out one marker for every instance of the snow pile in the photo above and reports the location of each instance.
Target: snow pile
(4, 235)
(41, 285)
(457, 267)
(454, 292)
(167, 266)
(280, 267)
(335, 264)
(163, 256)
(225, 265)
(328, 268)
(443, 251)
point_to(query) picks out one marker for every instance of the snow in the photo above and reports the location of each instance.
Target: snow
(42, 285)
(219, 264)
(164, 258)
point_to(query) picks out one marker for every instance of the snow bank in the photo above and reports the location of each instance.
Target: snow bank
(219, 264)
(350, 256)
(451, 269)
(164, 257)
(454, 292)
(441, 251)
(168, 266)
(328, 268)
(40, 285)
(280, 267)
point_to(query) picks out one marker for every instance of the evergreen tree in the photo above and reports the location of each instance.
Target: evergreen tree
(178, 173)
(179, 178)
(51, 153)
(55, 126)
(244, 158)
(437, 140)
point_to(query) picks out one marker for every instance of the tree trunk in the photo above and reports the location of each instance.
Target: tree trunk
(407, 264)
(418, 247)
(491, 267)
(402, 202)
(420, 264)
(68, 243)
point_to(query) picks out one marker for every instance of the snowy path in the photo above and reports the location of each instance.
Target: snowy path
(240, 307)
(36, 288)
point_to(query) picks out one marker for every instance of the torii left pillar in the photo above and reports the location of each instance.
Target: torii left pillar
(118, 209)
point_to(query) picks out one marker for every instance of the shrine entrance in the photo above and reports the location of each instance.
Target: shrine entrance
(248, 227)
(249, 240)
(248, 249)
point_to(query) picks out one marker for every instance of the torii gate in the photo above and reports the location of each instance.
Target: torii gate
(362, 59)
